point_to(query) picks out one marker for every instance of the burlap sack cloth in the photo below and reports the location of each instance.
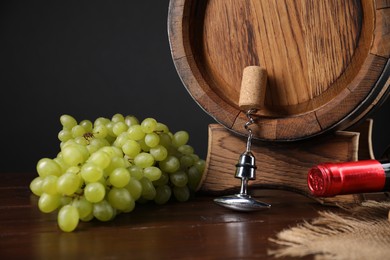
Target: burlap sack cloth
(361, 232)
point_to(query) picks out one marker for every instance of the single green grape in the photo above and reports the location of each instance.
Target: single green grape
(159, 152)
(74, 155)
(68, 183)
(135, 188)
(36, 186)
(200, 165)
(68, 121)
(194, 177)
(136, 172)
(81, 140)
(186, 149)
(161, 128)
(165, 140)
(120, 199)
(182, 194)
(87, 125)
(131, 120)
(163, 194)
(131, 148)
(47, 166)
(49, 184)
(84, 207)
(195, 157)
(152, 173)
(77, 131)
(152, 139)
(100, 131)
(64, 135)
(135, 132)
(91, 172)
(68, 218)
(118, 118)
(148, 125)
(103, 211)
(48, 203)
(180, 138)
(99, 142)
(179, 178)
(94, 192)
(101, 121)
(170, 164)
(144, 160)
(186, 161)
(119, 177)
(100, 159)
(148, 190)
(119, 127)
(109, 127)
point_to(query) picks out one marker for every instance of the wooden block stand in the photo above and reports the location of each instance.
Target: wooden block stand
(282, 165)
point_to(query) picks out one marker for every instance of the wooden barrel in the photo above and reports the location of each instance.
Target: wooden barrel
(327, 61)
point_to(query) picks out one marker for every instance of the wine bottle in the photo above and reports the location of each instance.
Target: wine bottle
(331, 179)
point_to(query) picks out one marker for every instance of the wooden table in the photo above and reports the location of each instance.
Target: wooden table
(198, 229)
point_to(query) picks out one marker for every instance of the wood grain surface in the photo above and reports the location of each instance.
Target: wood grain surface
(324, 60)
(197, 229)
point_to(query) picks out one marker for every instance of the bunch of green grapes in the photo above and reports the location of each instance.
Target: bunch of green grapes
(106, 166)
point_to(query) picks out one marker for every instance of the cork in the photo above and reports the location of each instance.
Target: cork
(253, 86)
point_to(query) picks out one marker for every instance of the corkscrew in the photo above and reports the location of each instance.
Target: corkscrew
(251, 99)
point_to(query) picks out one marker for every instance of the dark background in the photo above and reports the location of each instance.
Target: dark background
(91, 59)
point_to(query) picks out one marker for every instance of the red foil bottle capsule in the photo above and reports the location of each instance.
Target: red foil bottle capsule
(331, 179)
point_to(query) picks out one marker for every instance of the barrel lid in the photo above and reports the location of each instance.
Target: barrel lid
(327, 61)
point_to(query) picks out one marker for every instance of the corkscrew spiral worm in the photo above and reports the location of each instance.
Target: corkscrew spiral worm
(250, 121)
